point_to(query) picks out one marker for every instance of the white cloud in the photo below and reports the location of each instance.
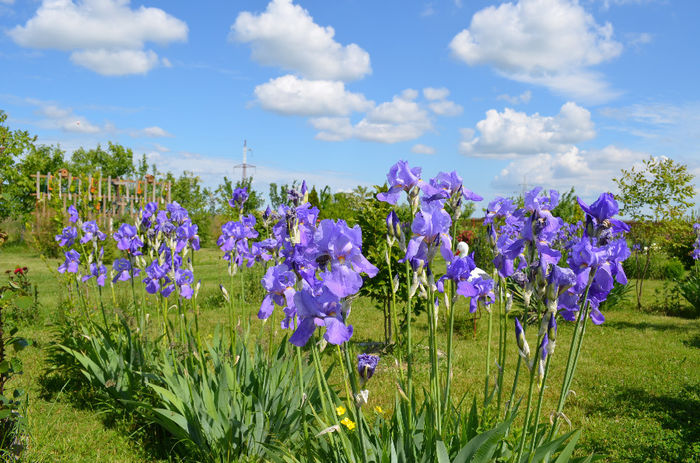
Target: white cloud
(545, 42)
(105, 36)
(290, 95)
(589, 172)
(422, 149)
(152, 132)
(446, 108)
(524, 97)
(7, 2)
(439, 103)
(400, 119)
(512, 133)
(431, 93)
(285, 35)
(116, 63)
(428, 10)
(56, 117)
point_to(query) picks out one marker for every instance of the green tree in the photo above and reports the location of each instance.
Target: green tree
(188, 191)
(14, 144)
(656, 195)
(115, 161)
(224, 192)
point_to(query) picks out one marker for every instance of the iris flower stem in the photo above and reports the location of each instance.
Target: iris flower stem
(300, 373)
(326, 398)
(231, 310)
(526, 423)
(409, 340)
(102, 307)
(392, 307)
(488, 361)
(570, 362)
(351, 386)
(538, 409)
(450, 335)
(502, 342)
(434, 365)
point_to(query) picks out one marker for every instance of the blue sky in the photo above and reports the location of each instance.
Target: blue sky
(557, 93)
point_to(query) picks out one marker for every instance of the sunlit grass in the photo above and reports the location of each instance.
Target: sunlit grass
(637, 387)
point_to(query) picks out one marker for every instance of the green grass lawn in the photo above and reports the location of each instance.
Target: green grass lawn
(637, 386)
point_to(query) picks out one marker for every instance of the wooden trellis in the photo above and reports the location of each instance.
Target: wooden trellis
(106, 197)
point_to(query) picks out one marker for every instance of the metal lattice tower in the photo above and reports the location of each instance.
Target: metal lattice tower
(244, 166)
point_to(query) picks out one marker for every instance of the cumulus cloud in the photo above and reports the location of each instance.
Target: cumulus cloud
(285, 35)
(545, 42)
(589, 172)
(512, 133)
(422, 149)
(524, 97)
(291, 95)
(151, 132)
(105, 36)
(57, 117)
(400, 119)
(439, 104)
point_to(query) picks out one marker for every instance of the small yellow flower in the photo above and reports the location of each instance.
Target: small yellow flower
(348, 423)
(340, 410)
(379, 410)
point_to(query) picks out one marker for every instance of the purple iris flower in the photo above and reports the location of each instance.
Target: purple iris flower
(184, 279)
(499, 207)
(401, 177)
(602, 211)
(155, 275)
(72, 262)
(187, 234)
(536, 203)
(432, 226)
(484, 293)
(123, 269)
(97, 271)
(449, 186)
(696, 245)
(127, 239)
(73, 214)
(67, 237)
(459, 271)
(178, 214)
(91, 232)
(366, 364)
(240, 196)
(341, 247)
(258, 252)
(322, 310)
(163, 224)
(559, 280)
(279, 282)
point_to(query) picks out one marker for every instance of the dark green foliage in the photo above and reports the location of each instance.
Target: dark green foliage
(568, 208)
(224, 193)
(673, 270)
(188, 191)
(690, 289)
(656, 270)
(116, 161)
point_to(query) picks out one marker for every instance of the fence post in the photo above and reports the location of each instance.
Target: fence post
(169, 188)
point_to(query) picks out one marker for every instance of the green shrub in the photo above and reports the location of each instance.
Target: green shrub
(674, 269)
(657, 265)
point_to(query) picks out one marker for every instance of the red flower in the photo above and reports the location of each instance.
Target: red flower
(19, 270)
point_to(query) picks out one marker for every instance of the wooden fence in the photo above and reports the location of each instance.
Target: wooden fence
(106, 197)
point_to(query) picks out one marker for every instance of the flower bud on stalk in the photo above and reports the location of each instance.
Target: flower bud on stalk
(544, 350)
(522, 342)
(509, 301)
(362, 397)
(552, 333)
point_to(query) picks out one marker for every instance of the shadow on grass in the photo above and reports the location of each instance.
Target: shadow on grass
(622, 325)
(69, 385)
(678, 415)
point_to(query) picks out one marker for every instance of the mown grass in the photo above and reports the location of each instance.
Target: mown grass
(637, 387)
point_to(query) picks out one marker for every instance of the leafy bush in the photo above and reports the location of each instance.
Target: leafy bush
(634, 266)
(674, 269)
